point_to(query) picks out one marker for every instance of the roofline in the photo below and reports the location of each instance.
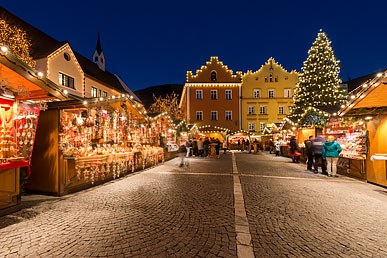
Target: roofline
(31, 75)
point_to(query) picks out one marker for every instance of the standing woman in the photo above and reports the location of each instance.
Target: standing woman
(331, 151)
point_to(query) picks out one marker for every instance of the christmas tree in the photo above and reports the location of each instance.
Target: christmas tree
(319, 82)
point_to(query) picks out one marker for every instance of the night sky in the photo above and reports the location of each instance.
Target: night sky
(155, 42)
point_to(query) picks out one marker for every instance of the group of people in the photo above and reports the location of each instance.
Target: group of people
(201, 148)
(321, 150)
(246, 145)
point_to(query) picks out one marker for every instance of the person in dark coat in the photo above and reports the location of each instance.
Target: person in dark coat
(217, 147)
(239, 144)
(243, 145)
(318, 154)
(206, 146)
(195, 147)
(271, 145)
(293, 149)
(182, 152)
(309, 152)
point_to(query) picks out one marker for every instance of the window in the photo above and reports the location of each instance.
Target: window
(228, 94)
(228, 115)
(276, 79)
(282, 110)
(94, 92)
(271, 77)
(199, 115)
(213, 76)
(287, 93)
(100, 93)
(199, 94)
(251, 110)
(101, 60)
(263, 110)
(105, 94)
(96, 59)
(251, 126)
(66, 56)
(214, 115)
(262, 126)
(66, 80)
(271, 94)
(257, 93)
(266, 80)
(214, 94)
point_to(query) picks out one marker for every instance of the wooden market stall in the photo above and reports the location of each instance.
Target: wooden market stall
(21, 91)
(84, 143)
(368, 109)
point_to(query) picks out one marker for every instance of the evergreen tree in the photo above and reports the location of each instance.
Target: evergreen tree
(319, 82)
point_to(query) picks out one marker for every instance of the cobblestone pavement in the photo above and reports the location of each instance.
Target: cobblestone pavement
(169, 211)
(293, 213)
(149, 214)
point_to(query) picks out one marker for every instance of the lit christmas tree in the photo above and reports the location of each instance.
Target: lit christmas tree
(319, 82)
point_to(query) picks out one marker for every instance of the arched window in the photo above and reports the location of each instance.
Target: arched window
(213, 76)
(96, 59)
(101, 60)
(271, 77)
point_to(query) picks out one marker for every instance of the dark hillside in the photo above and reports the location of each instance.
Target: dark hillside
(146, 95)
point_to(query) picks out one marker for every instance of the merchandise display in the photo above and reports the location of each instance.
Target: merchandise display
(17, 131)
(110, 141)
(354, 145)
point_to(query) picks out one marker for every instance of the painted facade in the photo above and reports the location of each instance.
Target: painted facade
(267, 95)
(211, 96)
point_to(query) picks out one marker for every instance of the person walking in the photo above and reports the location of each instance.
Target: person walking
(225, 147)
(309, 152)
(330, 152)
(294, 150)
(317, 153)
(239, 144)
(200, 147)
(247, 145)
(188, 145)
(182, 152)
(277, 147)
(243, 144)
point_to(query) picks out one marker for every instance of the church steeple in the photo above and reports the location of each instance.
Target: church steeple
(98, 56)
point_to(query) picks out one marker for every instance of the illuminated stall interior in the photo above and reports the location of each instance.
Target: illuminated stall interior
(22, 92)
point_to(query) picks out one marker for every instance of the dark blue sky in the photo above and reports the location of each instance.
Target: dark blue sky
(155, 42)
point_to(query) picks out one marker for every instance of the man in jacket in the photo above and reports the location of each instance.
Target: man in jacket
(309, 152)
(317, 152)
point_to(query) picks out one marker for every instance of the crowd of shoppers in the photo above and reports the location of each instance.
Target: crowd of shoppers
(319, 150)
(201, 147)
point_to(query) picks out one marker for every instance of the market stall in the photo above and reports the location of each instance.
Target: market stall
(368, 109)
(92, 141)
(21, 91)
(233, 139)
(353, 139)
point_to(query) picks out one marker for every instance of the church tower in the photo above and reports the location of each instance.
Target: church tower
(98, 56)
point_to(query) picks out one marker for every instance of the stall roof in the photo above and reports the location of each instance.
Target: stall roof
(31, 79)
(371, 99)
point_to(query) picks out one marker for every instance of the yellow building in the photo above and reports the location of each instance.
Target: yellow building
(267, 95)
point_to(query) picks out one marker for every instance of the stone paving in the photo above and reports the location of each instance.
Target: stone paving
(169, 211)
(300, 214)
